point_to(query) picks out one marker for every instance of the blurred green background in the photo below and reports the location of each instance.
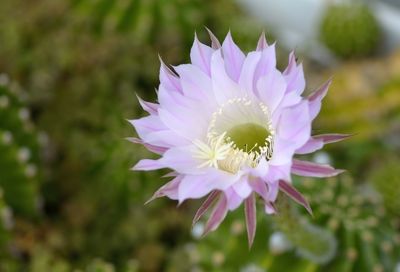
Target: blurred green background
(69, 72)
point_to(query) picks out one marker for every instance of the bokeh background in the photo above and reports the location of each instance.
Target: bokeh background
(69, 72)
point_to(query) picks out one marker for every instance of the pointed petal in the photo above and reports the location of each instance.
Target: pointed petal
(147, 165)
(316, 97)
(246, 79)
(294, 76)
(217, 215)
(310, 169)
(205, 206)
(170, 190)
(200, 55)
(332, 138)
(233, 57)
(152, 148)
(290, 191)
(168, 78)
(251, 219)
(215, 44)
(318, 141)
(148, 106)
(262, 42)
(310, 146)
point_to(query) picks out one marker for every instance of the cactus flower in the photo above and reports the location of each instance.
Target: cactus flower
(229, 125)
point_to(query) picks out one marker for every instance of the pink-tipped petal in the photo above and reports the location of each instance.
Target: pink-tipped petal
(262, 42)
(332, 138)
(316, 97)
(294, 76)
(310, 169)
(151, 108)
(217, 215)
(152, 148)
(168, 78)
(290, 191)
(215, 44)
(205, 206)
(251, 219)
(233, 57)
(200, 55)
(170, 190)
(267, 63)
(318, 141)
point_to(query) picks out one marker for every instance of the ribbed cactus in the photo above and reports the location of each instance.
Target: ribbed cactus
(367, 237)
(19, 152)
(350, 30)
(386, 180)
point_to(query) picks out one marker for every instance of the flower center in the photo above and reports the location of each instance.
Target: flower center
(240, 135)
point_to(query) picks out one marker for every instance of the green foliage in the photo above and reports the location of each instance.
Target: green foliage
(350, 30)
(19, 153)
(366, 234)
(386, 180)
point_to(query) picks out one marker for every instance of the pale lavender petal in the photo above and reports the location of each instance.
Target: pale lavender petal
(294, 76)
(316, 97)
(295, 124)
(267, 62)
(215, 44)
(148, 106)
(262, 42)
(166, 138)
(200, 55)
(197, 186)
(260, 187)
(147, 125)
(217, 215)
(290, 191)
(310, 169)
(224, 87)
(277, 172)
(310, 146)
(195, 83)
(152, 148)
(205, 206)
(269, 208)
(286, 151)
(271, 89)
(168, 78)
(147, 165)
(246, 79)
(234, 200)
(188, 129)
(273, 190)
(233, 57)
(242, 188)
(181, 160)
(170, 190)
(251, 219)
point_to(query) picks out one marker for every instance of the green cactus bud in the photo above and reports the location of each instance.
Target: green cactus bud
(350, 30)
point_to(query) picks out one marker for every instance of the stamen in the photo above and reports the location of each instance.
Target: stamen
(241, 118)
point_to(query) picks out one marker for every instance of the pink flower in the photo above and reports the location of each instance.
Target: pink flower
(229, 125)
